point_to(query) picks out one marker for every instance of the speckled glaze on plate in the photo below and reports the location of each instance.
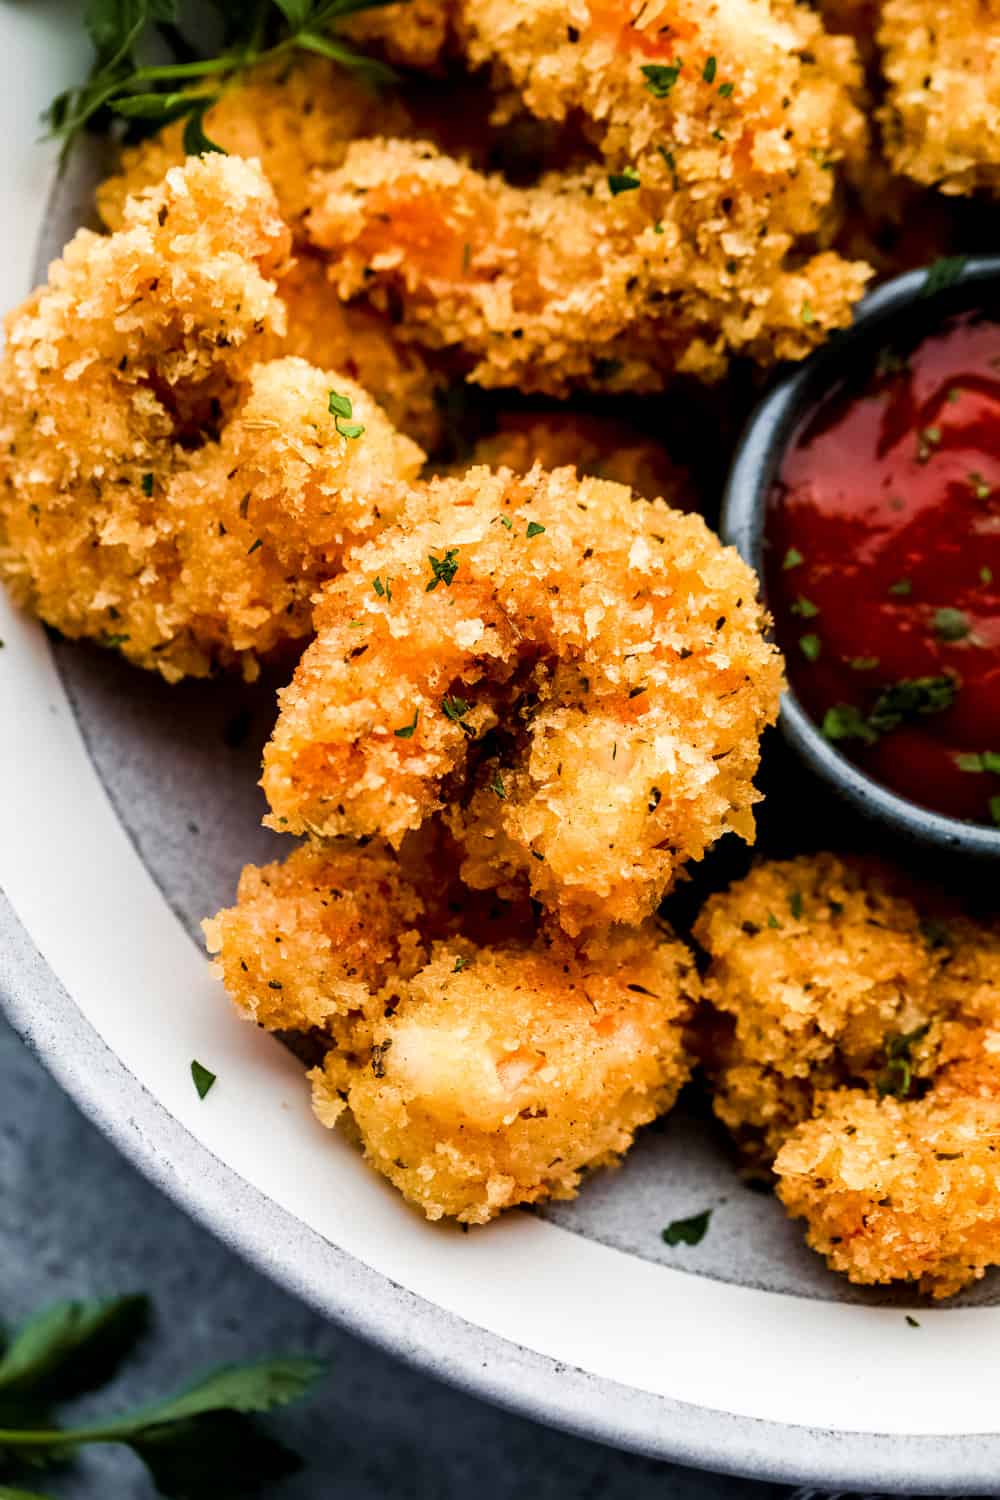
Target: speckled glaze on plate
(127, 813)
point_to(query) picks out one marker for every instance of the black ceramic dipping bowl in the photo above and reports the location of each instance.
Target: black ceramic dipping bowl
(904, 308)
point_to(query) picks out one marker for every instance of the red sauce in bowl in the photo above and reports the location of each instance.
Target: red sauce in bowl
(884, 568)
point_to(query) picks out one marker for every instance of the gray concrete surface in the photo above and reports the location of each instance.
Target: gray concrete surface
(77, 1220)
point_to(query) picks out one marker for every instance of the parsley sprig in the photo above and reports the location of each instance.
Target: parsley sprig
(197, 1445)
(126, 79)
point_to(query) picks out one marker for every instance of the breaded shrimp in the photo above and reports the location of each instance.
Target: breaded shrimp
(595, 446)
(294, 119)
(415, 33)
(941, 118)
(722, 128)
(159, 491)
(813, 964)
(864, 1055)
(477, 1075)
(577, 280)
(358, 341)
(579, 676)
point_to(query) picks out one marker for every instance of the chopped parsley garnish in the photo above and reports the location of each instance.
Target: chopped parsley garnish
(808, 316)
(506, 522)
(456, 709)
(383, 590)
(912, 1321)
(902, 588)
(725, 89)
(986, 575)
(995, 810)
(845, 722)
(443, 569)
(811, 646)
(709, 70)
(792, 559)
(795, 905)
(912, 697)
(406, 733)
(772, 921)
(863, 663)
(661, 77)
(622, 182)
(943, 273)
(460, 964)
(671, 163)
(951, 624)
(203, 1078)
(147, 484)
(342, 408)
(497, 786)
(987, 760)
(534, 529)
(896, 1078)
(254, 545)
(980, 487)
(687, 1231)
(805, 608)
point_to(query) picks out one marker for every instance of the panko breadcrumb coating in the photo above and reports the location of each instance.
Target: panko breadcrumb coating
(941, 119)
(414, 34)
(358, 341)
(570, 282)
(722, 129)
(579, 676)
(160, 491)
(595, 446)
(477, 1076)
(864, 1054)
(294, 119)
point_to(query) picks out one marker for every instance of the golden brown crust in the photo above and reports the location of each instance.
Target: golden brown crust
(479, 1071)
(163, 492)
(941, 119)
(863, 1054)
(611, 648)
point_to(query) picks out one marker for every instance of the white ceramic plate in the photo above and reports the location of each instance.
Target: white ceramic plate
(125, 814)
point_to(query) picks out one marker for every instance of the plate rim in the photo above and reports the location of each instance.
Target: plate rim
(409, 1327)
(415, 1329)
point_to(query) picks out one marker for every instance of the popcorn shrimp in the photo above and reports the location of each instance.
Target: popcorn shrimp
(863, 1056)
(477, 1073)
(161, 491)
(578, 676)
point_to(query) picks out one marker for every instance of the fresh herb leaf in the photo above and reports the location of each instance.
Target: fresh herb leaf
(846, 722)
(147, 484)
(195, 141)
(912, 1321)
(943, 273)
(805, 608)
(811, 646)
(795, 905)
(910, 698)
(455, 709)
(792, 559)
(661, 77)
(383, 590)
(72, 1347)
(622, 182)
(863, 663)
(460, 964)
(406, 733)
(709, 70)
(951, 624)
(443, 569)
(497, 786)
(203, 1078)
(534, 529)
(896, 1078)
(687, 1231)
(902, 588)
(725, 89)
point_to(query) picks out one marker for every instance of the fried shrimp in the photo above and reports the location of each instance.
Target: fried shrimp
(294, 120)
(161, 491)
(595, 446)
(863, 1055)
(578, 676)
(696, 240)
(477, 1075)
(941, 119)
(358, 341)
